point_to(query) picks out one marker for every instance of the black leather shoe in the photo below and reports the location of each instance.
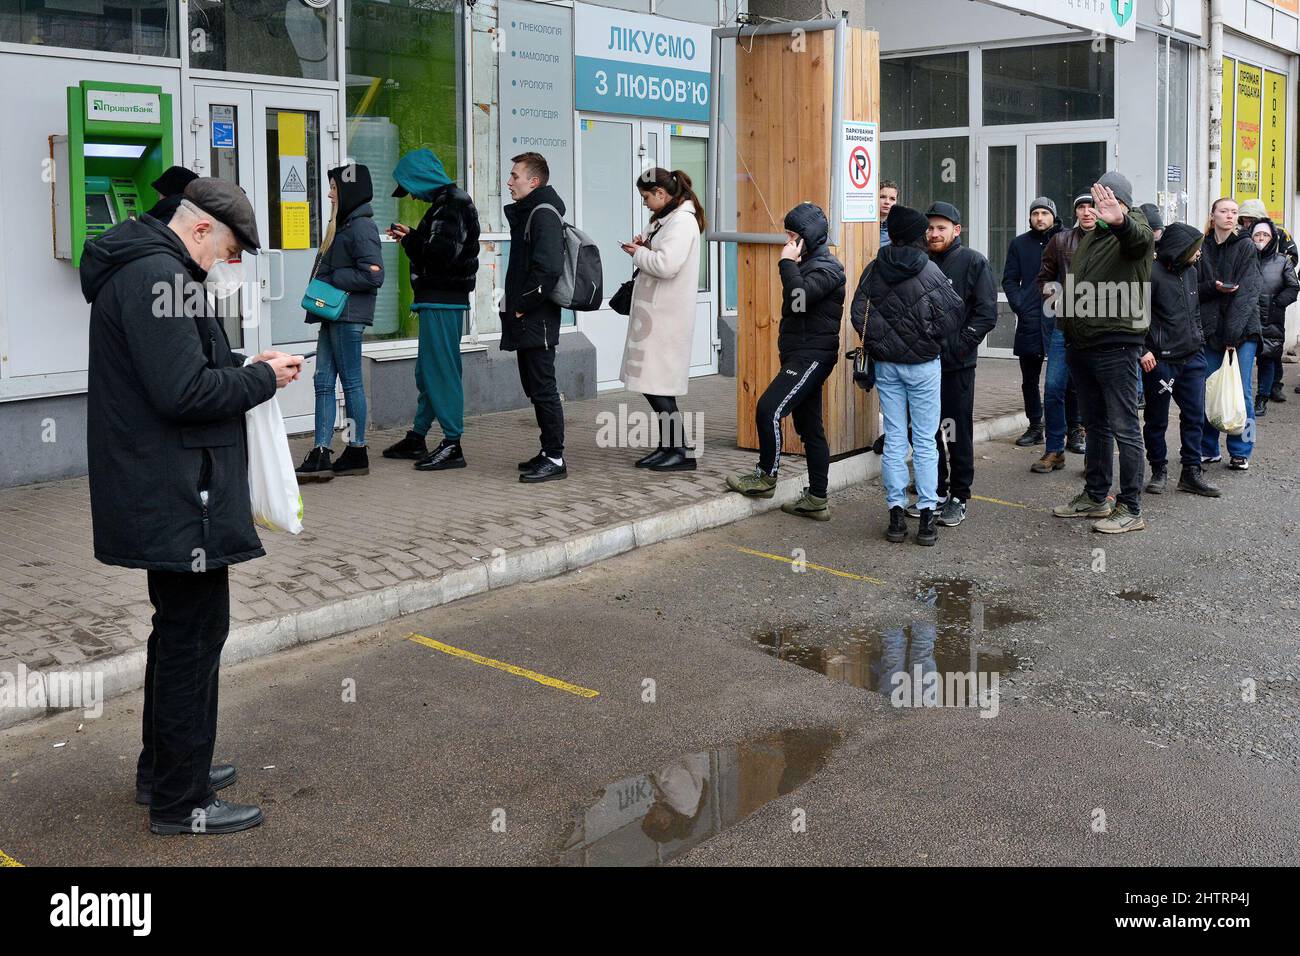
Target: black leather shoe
(220, 776)
(652, 458)
(927, 533)
(1033, 436)
(897, 531)
(217, 817)
(448, 454)
(410, 448)
(675, 459)
(546, 471)
(1077, 444)
(355, 460)
(1159, 480)
(532, 463)
(1194, 482)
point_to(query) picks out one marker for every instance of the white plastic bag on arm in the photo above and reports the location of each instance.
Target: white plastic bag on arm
(1225, 398)
(272, 484)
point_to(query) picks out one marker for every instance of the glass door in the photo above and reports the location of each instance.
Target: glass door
(688, 150)
(1005, 209)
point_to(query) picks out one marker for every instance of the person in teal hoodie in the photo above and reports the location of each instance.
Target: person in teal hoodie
(443, 251)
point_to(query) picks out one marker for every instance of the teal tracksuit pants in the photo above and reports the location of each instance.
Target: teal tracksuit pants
(438, 372)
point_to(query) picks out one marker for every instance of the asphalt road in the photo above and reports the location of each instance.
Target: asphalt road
(1145, 710)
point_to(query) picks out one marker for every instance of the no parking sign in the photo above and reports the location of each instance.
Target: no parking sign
(861, 154)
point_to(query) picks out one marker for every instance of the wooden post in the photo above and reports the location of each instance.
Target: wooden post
(784, 141)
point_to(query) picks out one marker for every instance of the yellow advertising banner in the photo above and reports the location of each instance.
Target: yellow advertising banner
(1229, 118)
(1272, 154)
(1293, 6)
(1249, 112)
(295, 208)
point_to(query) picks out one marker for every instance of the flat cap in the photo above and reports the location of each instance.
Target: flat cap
(227, 203)
(945, 209)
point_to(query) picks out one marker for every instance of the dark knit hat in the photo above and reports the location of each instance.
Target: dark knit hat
(1154, 219)
(1043, 202)
(906, 225)
(1118, 183)
(1084, 198)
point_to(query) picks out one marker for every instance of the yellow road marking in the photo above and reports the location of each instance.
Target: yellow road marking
(1009, 504)
(503, 666)
(6, 860)
(815, 567)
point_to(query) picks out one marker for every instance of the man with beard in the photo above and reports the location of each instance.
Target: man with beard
(972, 280)
(1020, 283)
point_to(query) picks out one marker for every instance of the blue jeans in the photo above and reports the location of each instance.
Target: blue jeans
(1241, 445)
(1058, 379)
(914, 389)
(338, 355)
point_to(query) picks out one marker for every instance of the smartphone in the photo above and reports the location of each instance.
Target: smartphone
(307, 355)
(1230, 286)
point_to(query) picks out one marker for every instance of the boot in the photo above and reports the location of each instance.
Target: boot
(1050, 462)
(674, 459)
(448, 454)
(1278, 394)
(1077, 443)
(411, 448)
(1033, 436)
(316, 466)
(1260, 402)
(1193, 481)
(927, 533)
(355, 460)
(1159, 480)
(897, 531)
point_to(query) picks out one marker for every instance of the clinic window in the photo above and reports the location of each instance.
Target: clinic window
(925, 92)
(138, 28)
(270, 37)
(1049, 83)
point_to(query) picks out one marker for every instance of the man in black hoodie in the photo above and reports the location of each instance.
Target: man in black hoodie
(530, 323)
(1173, 364)
(973, 281)
(812, 311)
(165, 444)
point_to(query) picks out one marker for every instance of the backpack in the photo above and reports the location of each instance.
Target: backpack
(581, 284)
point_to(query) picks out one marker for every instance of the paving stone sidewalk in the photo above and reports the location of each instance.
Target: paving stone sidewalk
(61, 608)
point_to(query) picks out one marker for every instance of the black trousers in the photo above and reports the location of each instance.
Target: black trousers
(1031, 368)
(672, 433)
(956, 437)
(537, 376)
(1107, 379)
(190, 622)
(796, 391)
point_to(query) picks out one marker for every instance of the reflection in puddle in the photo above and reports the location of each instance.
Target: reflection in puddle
(654, 817)
(1132, 594)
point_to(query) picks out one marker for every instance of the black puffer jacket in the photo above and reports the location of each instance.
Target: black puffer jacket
(812, 291)
(972, 280)
(1175, 332)
(1278, 289)
(1020, 283)
(354, 261)
(1229, 318)
(534, 268)
(165, 408)
(444, 249)
(908, 307)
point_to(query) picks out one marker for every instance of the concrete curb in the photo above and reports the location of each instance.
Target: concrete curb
(125, 672)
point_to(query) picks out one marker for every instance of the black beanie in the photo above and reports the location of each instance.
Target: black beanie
(905, 225)
(174, 180)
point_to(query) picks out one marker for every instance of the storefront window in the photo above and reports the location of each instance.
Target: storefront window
(272, 37)
(924, 92)
(1049, 83)
(141, 27)
(1171, 127)
(403, 93)
(928, 170)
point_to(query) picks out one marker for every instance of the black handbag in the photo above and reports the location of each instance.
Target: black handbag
(621, 301)
(864, 368)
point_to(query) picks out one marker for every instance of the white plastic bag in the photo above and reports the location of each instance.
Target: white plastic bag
(1225, 398)
(277, 505)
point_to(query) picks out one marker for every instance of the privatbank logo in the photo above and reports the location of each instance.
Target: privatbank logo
(1122, 10)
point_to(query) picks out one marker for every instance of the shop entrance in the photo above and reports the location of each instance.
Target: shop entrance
(1015, 168)
(612, 153)
(279, 146)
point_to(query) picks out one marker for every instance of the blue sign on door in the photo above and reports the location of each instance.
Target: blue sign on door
(223, 135)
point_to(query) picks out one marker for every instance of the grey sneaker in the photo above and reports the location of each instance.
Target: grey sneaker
(952, 512)
(1082, 506)
(754, 483)
(1122, 520)
(913, 510)
(809, 506)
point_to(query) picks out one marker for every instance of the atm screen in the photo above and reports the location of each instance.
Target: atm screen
(99, 211)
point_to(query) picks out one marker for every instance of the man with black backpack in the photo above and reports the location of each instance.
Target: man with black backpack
(530, 321)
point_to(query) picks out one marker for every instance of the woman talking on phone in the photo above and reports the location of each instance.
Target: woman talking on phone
(1229, 288)
(661, 318)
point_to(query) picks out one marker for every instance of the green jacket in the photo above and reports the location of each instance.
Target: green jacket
(1107, 285)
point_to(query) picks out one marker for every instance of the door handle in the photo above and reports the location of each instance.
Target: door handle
(265, 281)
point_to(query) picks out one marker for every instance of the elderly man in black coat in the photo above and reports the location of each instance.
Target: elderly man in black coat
(169, 491)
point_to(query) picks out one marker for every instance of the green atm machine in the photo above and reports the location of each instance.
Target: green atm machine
(119, 141)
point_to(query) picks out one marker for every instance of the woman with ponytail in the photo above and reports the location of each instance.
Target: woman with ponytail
(661, 324)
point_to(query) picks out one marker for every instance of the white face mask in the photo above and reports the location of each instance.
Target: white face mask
(223, 280)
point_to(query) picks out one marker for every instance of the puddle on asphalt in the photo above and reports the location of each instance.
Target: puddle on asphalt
(1134, 595)
(654, 817)
(944, 638)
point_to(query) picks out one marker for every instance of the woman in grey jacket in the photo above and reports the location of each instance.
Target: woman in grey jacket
(350, 260)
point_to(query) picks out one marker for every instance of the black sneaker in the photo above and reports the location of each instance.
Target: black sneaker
(1278, 394)
(1261, 406)
(952, 512)
(355, 460)
(643, 462)
(1159, 480)
(926, 532)
(1211, 459)
(897, 531)
(217, 817)
(1077, 443)
(1237, 463)
(448, 454)
(532, 463)
(913, 510)
(1033, 436)
(410, 448)
(316, 466)
(546, 471)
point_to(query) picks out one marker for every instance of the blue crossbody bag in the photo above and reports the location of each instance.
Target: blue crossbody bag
(323, 300)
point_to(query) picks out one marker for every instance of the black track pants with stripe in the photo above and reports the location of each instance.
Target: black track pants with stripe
(796, 391)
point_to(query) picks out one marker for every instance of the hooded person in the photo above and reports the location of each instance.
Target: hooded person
(168, 474)
(1020, 283)
(808, 342)
(443, 253)
(1252, 211)
(905, 309)
(349, 259)
(171, 189)
(1173, 363)
(1278, 289)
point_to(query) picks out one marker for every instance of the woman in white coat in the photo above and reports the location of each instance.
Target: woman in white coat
(661, 324)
